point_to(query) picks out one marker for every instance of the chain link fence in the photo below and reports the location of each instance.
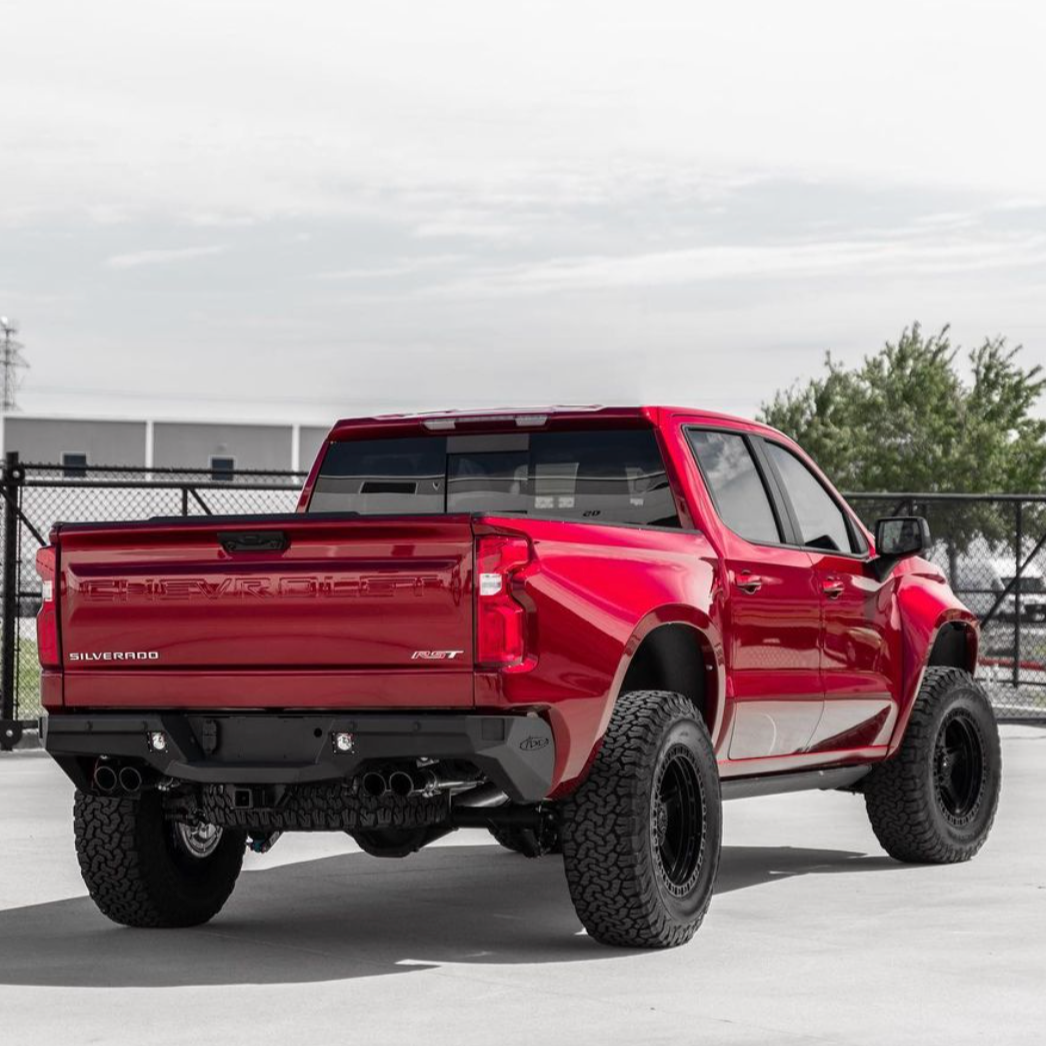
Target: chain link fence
(35, 496)
(992, 549)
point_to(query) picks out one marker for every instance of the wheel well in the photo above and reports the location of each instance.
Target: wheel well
(952, 647)
(672, 657)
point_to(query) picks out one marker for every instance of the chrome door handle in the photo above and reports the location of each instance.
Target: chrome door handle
(833, 588)
(748, 583)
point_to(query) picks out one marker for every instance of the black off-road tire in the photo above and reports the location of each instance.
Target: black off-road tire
(922, 810)
(627, 889)
(139, 873)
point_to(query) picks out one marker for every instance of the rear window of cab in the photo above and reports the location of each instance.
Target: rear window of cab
(597, 476)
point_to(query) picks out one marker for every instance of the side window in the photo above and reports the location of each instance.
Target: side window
(822, 523)
(735, 484)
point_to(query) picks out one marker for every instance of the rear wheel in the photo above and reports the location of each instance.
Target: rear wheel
(641, 836)
(142, 869)
(934, 802)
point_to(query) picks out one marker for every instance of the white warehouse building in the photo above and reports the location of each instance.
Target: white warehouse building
(221, 447)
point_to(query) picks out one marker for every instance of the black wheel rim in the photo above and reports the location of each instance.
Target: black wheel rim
(198, 840)
(959, 767)
(677, 821)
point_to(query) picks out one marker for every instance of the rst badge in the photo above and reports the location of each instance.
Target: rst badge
(436, 655)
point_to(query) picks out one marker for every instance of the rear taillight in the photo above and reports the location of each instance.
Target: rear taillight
(47, 619)
(500, 618)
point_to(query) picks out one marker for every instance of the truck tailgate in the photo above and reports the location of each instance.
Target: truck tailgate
(268, 611)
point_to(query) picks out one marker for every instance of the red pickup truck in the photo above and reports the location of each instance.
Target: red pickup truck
(580, 628)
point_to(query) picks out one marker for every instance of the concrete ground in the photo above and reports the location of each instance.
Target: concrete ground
(814, 936)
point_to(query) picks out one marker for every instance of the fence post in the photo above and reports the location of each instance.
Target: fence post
(11, 480)
(1018, 554)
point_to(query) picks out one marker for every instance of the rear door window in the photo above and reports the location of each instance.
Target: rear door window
(735, 484)
(602, 476)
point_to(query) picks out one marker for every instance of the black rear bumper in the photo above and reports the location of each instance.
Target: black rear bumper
(517, 753)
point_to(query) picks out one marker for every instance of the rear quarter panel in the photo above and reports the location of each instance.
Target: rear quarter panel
(593, 592)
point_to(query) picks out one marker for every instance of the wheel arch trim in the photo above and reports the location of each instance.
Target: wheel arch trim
(702, 632)
(920, 650)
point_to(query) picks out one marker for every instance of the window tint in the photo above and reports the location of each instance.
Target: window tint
(735, 484)
(607, 476)
(603, 476)
(822, 523)
(494, 482)
(377, 476)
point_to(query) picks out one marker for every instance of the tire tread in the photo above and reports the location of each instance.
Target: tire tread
(129, 873)
(898, 795)
(609, 866)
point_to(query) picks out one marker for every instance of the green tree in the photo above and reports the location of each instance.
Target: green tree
(905, 420)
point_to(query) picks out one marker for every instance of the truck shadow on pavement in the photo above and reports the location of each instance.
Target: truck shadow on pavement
(354, 916)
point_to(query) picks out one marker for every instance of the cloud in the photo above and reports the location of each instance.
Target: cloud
(454, 227)
(787, 261)
(162, 256)
(497, 106)
(401, 267)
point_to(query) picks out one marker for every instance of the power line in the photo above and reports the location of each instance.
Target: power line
(12, 362)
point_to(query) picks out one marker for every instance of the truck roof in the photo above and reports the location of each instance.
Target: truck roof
(534, 417)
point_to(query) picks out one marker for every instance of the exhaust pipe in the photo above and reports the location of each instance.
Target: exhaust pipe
(401, 783)
(482, 798)
(104, 778)
(130, 779)
(404, 783)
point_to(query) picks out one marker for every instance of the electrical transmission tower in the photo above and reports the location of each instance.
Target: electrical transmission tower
(11, 363)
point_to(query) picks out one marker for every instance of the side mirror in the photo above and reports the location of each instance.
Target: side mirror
(897, 538)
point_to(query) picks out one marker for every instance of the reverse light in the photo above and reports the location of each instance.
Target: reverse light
(500, 617)
(490, 584)
(47, 619)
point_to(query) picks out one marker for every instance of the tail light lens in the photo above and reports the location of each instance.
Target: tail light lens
(47, 619)
(500, 618)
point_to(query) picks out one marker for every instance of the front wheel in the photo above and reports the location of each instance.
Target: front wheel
(641, 836)
(934, 802)
(142, 869)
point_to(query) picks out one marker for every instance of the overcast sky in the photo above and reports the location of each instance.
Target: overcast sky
(302, 210)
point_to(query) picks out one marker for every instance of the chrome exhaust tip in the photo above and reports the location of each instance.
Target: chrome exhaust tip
(104, 778)
(374, 784)
(130, 779)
